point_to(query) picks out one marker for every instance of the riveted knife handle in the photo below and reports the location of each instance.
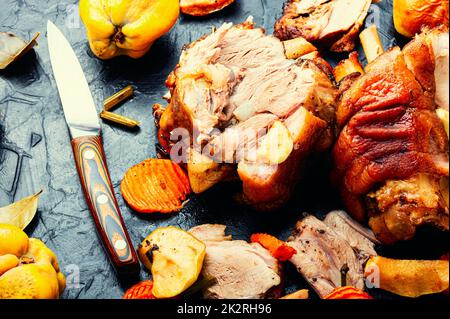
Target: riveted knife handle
(93, 171)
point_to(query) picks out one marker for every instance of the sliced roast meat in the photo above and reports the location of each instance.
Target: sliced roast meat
(361, 239)
(210, 232)
(229, 90)
(324, 258)
(331, 23)
(391, 160)
(242, 270)
(246, 47)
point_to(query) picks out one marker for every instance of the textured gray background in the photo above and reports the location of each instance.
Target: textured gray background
(30, 106)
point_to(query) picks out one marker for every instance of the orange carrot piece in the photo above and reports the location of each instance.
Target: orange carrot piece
(277, 248)
(347, 292)
(445, 257)
(155, 185)
(142, 290)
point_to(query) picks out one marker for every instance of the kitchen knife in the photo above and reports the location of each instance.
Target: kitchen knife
(82, 120)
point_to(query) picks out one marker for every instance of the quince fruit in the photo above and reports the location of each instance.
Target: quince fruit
(28, 268)
(126, 27)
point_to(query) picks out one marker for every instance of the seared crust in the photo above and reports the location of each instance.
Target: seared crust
(390, 134)
(411, 15)
(203, 7)
(293, 24)
(308, 19)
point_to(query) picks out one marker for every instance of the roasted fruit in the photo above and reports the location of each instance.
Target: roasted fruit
(28, 269)
(347, 292)
(175, 259)
(411, 15)
(408, 278)
(443, 116)
(276, 146)
(277, 248)
(203, 7)
(142, 290)
(126, 27)
(204, 172)
(155, 185)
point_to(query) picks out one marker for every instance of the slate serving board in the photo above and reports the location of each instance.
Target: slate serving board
(35, 151)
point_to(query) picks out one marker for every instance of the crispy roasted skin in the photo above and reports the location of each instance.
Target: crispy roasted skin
(390, 134)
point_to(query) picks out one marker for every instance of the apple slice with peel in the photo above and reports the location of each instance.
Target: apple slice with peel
(175, 259)
(276, 146)
(443, 116)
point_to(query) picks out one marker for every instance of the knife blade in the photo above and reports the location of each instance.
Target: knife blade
(84, 127)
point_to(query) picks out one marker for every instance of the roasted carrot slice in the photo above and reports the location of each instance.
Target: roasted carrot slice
(155, 185)
(277, 248)
(142, 290)
(347, 292)
(445, 257)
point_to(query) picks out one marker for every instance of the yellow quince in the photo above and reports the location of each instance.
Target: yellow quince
(28, 268)
(126, 27)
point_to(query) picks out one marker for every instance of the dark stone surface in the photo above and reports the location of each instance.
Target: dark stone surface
(30, 107)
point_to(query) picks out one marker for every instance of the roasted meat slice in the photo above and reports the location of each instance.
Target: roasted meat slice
(250, 110)
(361, 239)
(391, 159)
(324, 258)
(330, 23)
(242, 270)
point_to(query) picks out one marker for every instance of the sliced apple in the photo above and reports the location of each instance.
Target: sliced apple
(408, 278)
(204, 173)
(443, 115)
(175, 259)
(276, 145)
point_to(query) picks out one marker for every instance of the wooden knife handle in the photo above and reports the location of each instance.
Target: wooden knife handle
(93, 171)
